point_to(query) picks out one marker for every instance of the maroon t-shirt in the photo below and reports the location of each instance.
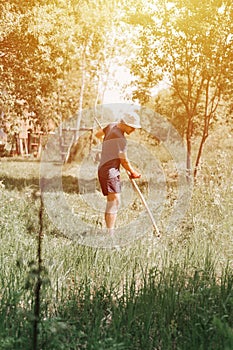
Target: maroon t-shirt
(114, 143)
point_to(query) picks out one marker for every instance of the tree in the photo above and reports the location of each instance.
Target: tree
(191, 43)
(28, 70)
(55, 56)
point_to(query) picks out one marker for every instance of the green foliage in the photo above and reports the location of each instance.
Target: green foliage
(189, 44)
(54, 56)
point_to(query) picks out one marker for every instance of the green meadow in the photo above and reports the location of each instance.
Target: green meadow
(169, 293)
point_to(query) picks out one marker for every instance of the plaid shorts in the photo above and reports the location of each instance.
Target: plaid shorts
(110, 185)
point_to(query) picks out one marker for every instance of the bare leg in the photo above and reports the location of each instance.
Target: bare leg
(113, 201)
(26, 146)
(21, 146)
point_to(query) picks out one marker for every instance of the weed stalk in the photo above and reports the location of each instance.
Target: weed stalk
(39, 279)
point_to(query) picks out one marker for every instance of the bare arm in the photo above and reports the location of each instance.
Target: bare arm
(100, 134)
(128, 167)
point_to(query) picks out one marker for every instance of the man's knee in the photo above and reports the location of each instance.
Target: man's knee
(113, 203)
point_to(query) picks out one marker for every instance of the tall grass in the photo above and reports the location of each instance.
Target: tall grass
(172, 293)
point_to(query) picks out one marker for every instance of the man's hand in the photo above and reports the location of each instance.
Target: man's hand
(126, 164)
(134, 175)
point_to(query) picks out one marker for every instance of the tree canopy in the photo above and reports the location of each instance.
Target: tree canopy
(55, 54)
(188, 42)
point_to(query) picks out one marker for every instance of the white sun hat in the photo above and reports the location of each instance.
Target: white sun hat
(131, 119)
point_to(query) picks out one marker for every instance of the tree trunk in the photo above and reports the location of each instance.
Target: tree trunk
(205, 129)
(79, 116)
(203, 139)
(189, 146)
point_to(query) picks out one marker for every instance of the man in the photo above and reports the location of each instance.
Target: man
(114, 154)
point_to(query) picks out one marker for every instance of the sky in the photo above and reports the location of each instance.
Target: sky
(115, 85)
(113, 93)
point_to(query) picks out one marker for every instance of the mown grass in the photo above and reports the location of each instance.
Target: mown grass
(172, 293)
